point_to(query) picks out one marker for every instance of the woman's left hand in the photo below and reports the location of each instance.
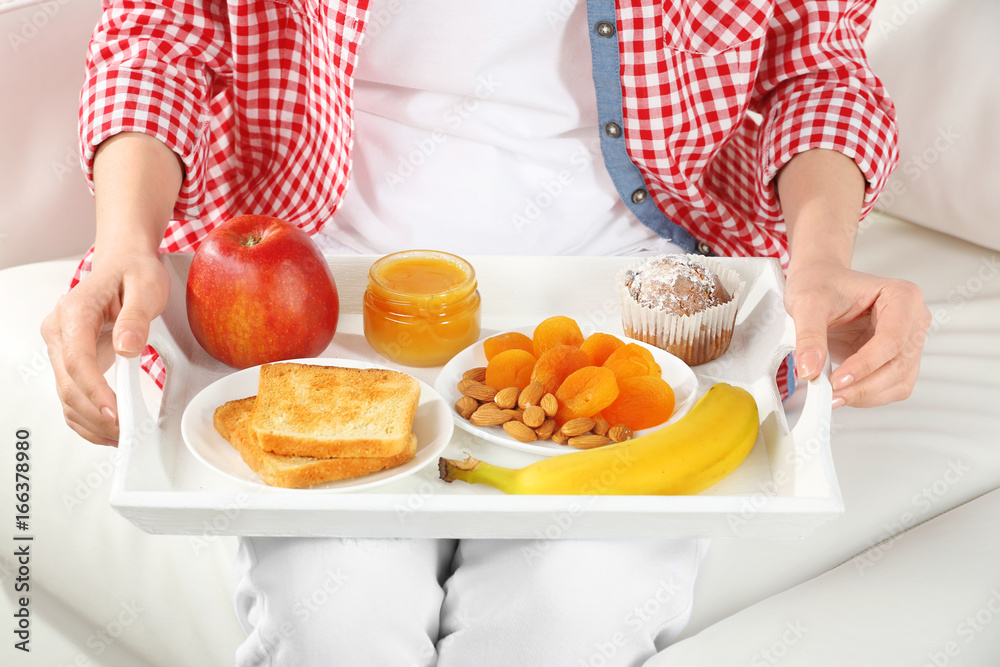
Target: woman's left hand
(874, 327)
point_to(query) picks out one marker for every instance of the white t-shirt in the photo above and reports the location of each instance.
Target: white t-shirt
(476, 132)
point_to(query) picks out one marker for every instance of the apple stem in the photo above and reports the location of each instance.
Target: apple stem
(251, 240)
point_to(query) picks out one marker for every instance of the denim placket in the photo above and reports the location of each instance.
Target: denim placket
(624, 173)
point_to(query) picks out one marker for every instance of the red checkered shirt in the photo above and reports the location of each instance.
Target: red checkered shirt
(717, 95)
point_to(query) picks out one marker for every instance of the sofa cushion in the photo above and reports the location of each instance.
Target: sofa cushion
(929, 597)
(157, 599)
(939, 61)
(898, 465)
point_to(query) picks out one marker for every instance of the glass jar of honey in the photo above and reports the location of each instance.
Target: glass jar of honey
(421, 307)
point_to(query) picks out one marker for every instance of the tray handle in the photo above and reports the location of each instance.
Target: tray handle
(815, 407)
(811, 433)
(134, 417)
(140, 430)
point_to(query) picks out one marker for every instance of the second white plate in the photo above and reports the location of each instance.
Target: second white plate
(678, 375)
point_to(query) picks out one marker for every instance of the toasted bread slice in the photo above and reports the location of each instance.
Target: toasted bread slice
(233, 421)
(333, 412)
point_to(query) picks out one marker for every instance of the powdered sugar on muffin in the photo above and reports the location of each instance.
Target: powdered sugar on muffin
(684, 304)
(678, 284)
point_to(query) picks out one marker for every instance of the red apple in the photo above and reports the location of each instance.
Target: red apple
(259, 290)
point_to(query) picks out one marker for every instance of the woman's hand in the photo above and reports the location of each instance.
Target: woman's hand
(108, 312)
(873, 327)
(136, 181)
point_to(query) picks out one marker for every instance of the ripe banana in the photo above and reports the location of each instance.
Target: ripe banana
(685, 457)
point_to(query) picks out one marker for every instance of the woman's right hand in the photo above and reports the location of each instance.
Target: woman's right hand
(136, 182)
(108, 312)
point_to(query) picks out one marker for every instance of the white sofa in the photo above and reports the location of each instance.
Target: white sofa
(909, 575)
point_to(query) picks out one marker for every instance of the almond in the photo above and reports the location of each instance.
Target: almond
(519, 431)
(533, 416)
(620, 433)
(589, 441)
(478, 374)
(477, 390)
(506, 398)
(515, 413)
(578, 426)
(531, 395)
(550, 404)
(601, 425)
(546, 430)
(488, 414)
(558, 437)
(465, 406)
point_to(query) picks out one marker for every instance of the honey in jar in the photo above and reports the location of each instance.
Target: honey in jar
(421, 307)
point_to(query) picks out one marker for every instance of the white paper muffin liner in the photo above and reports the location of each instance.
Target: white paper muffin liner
(695, 339)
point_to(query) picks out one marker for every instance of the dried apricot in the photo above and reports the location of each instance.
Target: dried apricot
(643, 401)
(600, 346)
(511, 340)
(626, 368)
(585, 392)
(555, 364)
(510, 368)
(558, 330)
(632, 360)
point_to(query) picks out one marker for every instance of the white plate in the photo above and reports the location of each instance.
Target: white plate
(678, 375)
(432, 426)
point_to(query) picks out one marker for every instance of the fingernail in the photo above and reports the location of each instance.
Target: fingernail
(128, 343)
(838, 402)
(109, 413)
(842, 381)
(809, 364)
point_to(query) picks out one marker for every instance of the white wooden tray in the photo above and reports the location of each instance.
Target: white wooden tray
(785, 488)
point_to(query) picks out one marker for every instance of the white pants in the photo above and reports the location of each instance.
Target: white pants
(461, 603)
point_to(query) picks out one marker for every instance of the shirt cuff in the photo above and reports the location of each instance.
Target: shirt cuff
(830, 113)
(129, 100)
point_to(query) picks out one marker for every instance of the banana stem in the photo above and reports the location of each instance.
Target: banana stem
(474, 471)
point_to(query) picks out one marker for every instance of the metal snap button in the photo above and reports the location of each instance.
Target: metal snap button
(605, 29)
(639, 196)
(704, 248)
(613, 130)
